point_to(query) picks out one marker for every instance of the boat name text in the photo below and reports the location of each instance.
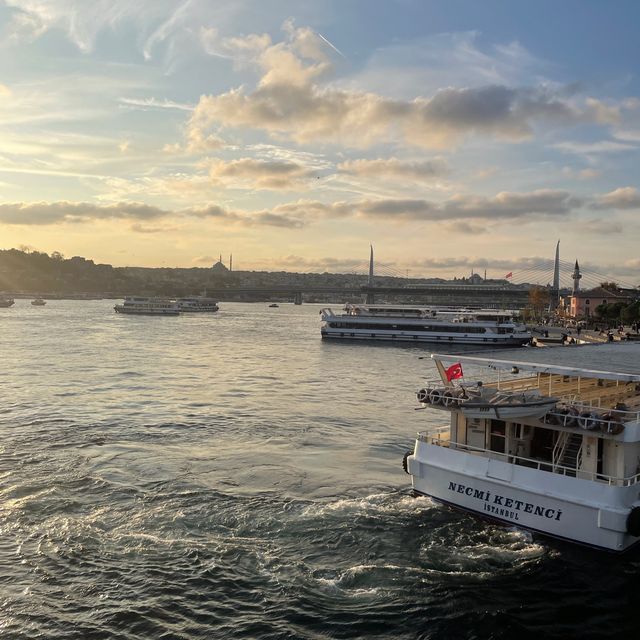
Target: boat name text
(503, 505)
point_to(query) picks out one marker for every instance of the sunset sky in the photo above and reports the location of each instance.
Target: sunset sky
(450, 134)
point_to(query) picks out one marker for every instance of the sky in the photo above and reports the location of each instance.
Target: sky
(452, 135)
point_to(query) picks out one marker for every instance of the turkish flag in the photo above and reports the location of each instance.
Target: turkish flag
(509, 275)
(454, 372)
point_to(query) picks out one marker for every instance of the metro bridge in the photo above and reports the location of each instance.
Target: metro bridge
(489, 296)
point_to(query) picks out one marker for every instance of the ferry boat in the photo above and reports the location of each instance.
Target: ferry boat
(38, 302)
(136, 305)
(488, 327)
(6, 302)
(570, 470)
(197, 304)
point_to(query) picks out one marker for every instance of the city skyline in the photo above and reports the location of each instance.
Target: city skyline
(452, 136)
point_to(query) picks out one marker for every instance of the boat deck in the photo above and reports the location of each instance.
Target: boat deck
(588, 391)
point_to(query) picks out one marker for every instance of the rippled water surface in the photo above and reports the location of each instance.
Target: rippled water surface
(232, 476)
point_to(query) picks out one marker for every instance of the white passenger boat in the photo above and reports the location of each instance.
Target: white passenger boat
(137, 305)
(488, 327)
(6, 302)
(197, 304)
(38, 302)
(571, 471)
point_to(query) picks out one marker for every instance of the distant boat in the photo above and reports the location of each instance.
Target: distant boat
(6, 302)
(140, 306)
(273, 305)
(38, 302)
(197, 304)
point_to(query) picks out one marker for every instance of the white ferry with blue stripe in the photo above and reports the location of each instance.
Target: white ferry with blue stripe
(403, 323)
(563, 460)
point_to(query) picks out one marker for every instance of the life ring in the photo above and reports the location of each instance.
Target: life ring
(435, 397)
(610, 423)
(633, 522)
(557, 417)
(405, 462)
(587, 420)
(449, 398)
(423, 395)
(571, 418)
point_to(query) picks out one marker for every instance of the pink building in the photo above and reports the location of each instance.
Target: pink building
(582, 304)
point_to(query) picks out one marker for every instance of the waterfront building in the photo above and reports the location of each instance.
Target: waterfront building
(582, 304)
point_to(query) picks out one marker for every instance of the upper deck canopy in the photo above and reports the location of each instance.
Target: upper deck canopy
(508, 365)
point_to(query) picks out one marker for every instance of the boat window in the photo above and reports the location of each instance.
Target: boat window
(497, 437)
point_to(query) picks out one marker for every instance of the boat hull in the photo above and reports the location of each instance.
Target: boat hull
(531, 499)
(148, 312)
(409, 336)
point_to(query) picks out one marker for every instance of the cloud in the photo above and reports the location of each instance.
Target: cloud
(503, 206)
(317, 264)
(143, 228)
(297, 214)
(145, 104)
(602, 227)
(82, 22)
(621, 198)
(289, 101)
(44, 213)
(447, 263)
(588, 148)
(246, 48)
(582, 174)
(288, 104)
(424, 171)
(258, 174)
(209, 260)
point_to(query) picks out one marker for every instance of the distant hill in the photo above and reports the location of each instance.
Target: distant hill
(36, 272)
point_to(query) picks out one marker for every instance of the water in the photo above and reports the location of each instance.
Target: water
(232, 476)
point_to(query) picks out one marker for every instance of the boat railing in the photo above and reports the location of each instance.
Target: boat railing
(590, 417)
(440, 437)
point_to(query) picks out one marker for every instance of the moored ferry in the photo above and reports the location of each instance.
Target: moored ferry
(488, 327)
(197, 304)
(137, 305)
(550, 449)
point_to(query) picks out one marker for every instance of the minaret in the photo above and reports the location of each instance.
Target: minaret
(231, 262)
(576, 279)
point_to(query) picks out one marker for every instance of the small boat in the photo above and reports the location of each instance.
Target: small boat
(6, 302)
(38, 302)
(197, 304)
(505, 406)
(140, 306)
(273, 305)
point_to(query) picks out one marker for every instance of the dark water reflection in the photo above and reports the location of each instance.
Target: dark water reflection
(232, 476)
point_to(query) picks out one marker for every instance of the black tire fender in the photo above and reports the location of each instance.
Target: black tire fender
(405, 461)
